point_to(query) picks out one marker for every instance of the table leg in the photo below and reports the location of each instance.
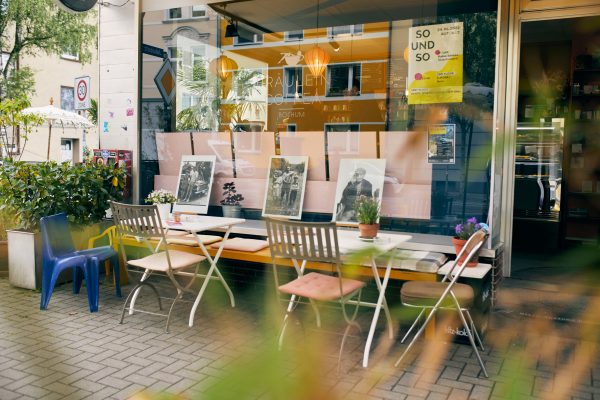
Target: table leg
(380, 302)
(213, 268)
(386, 309)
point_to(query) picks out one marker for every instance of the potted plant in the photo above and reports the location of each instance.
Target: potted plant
(367, 215)
(231, 201)
(6, 223)
(163, 199)
(463, 232)
(30, 191)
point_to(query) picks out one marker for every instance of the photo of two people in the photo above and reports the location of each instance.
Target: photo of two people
(286, 182)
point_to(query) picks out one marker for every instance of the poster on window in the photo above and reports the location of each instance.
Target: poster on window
(286, 182)
(194, 183)
(435, 64)
(441, 144)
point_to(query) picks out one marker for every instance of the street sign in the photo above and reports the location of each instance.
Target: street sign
(153, 51)
(165, 81)
(82, 93)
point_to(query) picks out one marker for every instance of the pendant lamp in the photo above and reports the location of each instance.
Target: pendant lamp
(316, 58)
(223, 66)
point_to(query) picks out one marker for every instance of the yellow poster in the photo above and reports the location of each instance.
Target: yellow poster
(435, 67)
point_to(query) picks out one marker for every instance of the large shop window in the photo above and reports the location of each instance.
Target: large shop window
(412, 86)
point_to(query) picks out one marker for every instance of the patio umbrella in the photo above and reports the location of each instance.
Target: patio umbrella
(54, 115)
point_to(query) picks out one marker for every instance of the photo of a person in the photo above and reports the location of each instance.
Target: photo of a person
(285, 186)
(356, 187)
(194, 184)
(357, 177)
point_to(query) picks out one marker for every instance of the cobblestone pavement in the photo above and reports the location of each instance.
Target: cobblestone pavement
(69, 353)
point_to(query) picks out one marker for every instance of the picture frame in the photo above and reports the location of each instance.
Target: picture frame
(356, 177)
(285, 186)
(194, 184)
(441, 144)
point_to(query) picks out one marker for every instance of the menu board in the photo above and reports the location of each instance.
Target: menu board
(435, 66)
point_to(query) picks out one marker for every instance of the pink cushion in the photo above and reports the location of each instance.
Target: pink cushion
(241, 244)
(320, 287)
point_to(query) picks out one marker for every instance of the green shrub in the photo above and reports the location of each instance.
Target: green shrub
(367, 210)
(31, 191)
(7, 221)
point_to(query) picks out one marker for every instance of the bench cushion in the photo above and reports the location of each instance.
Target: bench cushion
(190, 240)
(159, 262)
(422, 261)
(417, 293)
(241, 244)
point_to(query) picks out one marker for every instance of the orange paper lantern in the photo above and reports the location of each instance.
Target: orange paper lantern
(223, 67)
(316, 60)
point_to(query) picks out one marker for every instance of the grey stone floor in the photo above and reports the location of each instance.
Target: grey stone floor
(230, 353)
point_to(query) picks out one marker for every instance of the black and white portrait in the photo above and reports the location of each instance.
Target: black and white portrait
(286, 181)
(357, 177)
(194, 183)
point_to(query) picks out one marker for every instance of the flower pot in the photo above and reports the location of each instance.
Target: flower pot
(163, 211)
(368, 231)
(458, 246)
(24, 259)
(3, 258)
(232, 211)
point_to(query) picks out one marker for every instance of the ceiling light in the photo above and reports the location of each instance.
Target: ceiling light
(335, 45)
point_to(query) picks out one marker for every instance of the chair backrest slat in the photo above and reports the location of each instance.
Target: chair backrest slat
(137, 220)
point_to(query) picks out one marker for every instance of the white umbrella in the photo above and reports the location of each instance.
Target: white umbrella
(54, 115)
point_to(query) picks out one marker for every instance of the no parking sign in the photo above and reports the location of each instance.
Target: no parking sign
(82, 93)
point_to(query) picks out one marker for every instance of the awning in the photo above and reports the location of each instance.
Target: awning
(285, 15)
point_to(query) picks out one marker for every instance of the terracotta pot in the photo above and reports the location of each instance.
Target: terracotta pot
(458, 246)
(368, 231)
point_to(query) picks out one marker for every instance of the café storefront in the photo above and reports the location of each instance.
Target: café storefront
(481, 109)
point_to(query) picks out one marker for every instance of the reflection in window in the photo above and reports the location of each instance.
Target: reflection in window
(294, 35)
(198, 11)
(293, 82)
(67, 99)
(342, 127)
(175, 13)
(343, 80)
(250, 39)
(345, 30)
(199, 64)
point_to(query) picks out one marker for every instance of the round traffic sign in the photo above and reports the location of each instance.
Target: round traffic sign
(82, 90)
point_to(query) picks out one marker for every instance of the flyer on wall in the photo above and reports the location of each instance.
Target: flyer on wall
(441, 144)
(435, 64)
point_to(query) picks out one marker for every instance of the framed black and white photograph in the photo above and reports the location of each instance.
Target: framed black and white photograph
(194, 183)
(286, 183)
(357, 177)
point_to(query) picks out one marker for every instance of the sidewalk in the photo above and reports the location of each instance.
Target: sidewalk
(68, 353)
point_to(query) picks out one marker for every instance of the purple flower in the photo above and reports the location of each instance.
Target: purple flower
(472, 220)
(458, 229)
(477, 227)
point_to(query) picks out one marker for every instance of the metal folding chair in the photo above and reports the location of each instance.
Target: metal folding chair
(312, 242)
(144, 224)
(445, 295)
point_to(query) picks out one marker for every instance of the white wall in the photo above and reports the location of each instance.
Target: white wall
(118, 56)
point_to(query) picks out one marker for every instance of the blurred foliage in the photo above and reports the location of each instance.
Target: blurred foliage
(18, 83)
(20, 125)
(7, 221)
(31, 191)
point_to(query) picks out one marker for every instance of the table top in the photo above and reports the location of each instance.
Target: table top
(477, 272)
(349, 241)
(203, 223)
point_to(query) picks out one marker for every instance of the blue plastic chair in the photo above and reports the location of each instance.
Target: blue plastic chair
(59, 254)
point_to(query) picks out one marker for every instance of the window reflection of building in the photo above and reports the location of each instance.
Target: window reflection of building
(343, 80)
(293, 82)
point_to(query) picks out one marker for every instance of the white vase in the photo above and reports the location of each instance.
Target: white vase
(163, 211)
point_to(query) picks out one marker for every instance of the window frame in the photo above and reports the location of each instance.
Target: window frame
(204, 8)
(168, 14)
(287, 87)
(287, 38)
(350, 67)
(255, 36)
(353, 31)
(61, 97)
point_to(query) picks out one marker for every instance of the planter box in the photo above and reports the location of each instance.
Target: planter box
(3, 258)
(24, 259)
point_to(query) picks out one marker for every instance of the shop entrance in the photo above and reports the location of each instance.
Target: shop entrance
(557, 162)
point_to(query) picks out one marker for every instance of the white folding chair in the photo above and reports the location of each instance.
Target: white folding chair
(144, 224)
(445, 295)
(304, 242)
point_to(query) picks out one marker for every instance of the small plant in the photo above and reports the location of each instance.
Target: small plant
(161, 196)
(230, 195)
(367, 210)
(465, 230)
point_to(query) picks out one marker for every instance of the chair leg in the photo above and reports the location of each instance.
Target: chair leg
(474, 330)
(179, 296)
(417, 335)
(294, 300)
(48, 281)
(77, 280)
(92, 283)
(317, 312)
(413, 325)
(471, 339)
(129, 296)
(114, 262)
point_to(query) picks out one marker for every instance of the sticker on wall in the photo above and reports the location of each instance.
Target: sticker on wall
(111, 114)
(105, 127)
(435, 64)
(441, 144)
(129, 112)
(124, 127)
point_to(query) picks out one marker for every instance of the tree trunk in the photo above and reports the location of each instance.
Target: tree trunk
(49, 137)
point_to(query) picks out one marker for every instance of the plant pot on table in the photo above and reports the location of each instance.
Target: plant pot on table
(232, 211)
(368, 231)
(164, 210)
(458, 246)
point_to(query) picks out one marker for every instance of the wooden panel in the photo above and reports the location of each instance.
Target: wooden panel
(252, 153)
(349, 145)
(311, 144)
(219, 144)
(170, 147)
